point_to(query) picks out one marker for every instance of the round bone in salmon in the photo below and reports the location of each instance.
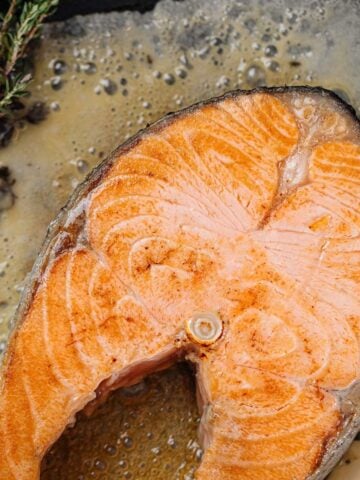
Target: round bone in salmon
(204, 328)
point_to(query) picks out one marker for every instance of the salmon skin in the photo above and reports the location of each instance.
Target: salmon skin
(227, 234)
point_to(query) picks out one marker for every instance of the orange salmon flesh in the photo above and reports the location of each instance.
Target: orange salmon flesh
(226, 234)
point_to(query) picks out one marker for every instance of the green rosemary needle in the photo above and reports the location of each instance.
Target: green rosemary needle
(19, 24)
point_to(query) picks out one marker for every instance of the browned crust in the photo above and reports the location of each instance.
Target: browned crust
(327, 442)
(343, 434)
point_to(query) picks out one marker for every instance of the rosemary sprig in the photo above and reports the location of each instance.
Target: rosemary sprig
(12, 91)
(19, 24)
(7, 19)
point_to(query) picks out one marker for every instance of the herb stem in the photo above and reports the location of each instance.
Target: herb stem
(19, 25)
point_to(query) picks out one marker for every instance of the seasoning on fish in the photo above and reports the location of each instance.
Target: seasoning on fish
(227, 234)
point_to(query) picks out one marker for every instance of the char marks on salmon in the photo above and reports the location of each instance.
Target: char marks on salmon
(227, 234)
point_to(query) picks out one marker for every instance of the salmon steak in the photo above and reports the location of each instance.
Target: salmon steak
(226, 234)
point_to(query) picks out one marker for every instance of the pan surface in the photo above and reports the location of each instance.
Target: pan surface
(105, 76)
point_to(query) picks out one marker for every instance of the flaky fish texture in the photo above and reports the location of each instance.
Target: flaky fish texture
(227, 234)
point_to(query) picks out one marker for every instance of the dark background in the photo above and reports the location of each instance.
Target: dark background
(68, 8)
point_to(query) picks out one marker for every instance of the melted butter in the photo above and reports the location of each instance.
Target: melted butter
(104, 77)
(145, 431)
